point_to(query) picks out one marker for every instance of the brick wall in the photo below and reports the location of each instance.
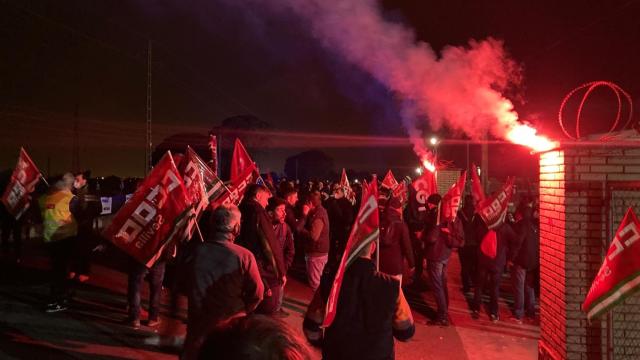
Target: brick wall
(573, 223)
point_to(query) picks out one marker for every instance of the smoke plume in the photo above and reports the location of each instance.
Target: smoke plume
(461, 87)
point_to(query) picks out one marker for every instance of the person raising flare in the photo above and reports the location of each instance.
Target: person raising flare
(371, 311)
(223, 279)
(257, 235)
(316, 236)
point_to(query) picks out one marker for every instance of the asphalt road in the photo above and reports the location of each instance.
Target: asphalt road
(92, 328)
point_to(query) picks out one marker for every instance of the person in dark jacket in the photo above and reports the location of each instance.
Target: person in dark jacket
(371, 311)
(468, 254)
(257, 235)
(437, 254)
(277, 212)
(415, 215)
(491, 268)
(296, 219)
(223, 279)
(525, 261)
(341, 216)
(86, 207)
(316, 237)
(395, 244)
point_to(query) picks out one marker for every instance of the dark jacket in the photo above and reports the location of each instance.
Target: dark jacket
(285, 238)
(295, 223)
(435, 239)
(371, 311)
(526, 250)
(223, 281)
(85, 207)
(470, 236)
(316, 232)
(256, 234)
(395, 244)
(340, 212)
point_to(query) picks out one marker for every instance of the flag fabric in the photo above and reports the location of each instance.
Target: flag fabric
(401, 191)
(476, 187)
(237, 187)
(489, 244)
(213, 147)
(155, 217)
(23, 182)
(389, 181)
(493, 210)
(452, 200)
(348, 191)
(619, 274)
(240, 160)
(364, 231)
(201, 183)
(420, 190)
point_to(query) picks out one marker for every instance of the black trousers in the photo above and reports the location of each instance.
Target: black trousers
(61, 254)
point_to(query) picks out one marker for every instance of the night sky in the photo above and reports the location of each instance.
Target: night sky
(213, 60)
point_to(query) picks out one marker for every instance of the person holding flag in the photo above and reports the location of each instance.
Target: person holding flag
(362, 310)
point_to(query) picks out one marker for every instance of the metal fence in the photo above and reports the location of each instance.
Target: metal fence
(624, 320)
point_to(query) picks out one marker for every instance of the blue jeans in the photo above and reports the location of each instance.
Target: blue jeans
(438, 282)
(136, 278)
(493, 277)
(525, 296)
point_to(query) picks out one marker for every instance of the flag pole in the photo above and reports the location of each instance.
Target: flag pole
(45, 180)
(199, 232)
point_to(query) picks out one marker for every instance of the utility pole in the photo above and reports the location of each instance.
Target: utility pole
(149, 142)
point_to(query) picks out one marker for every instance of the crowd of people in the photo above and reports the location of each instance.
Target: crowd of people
(235, 271)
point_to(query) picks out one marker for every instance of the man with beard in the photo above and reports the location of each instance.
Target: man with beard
(276, 210)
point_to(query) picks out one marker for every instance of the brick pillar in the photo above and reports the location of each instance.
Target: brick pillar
(573, 238)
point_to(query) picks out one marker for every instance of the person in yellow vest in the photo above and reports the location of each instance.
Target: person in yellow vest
(59, 232)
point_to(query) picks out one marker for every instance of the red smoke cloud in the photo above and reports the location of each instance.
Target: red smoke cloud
(461, 87)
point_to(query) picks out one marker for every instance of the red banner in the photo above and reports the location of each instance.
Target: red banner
(493, 210)
(240, 160)
(476, 187)
(154, 217)
(619, 275)
(389, 181)
(364, 231)
(452, 200)
(23, 182)
(401, 192)
(424, 186)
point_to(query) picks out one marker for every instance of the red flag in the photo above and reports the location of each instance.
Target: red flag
(344, 183)
(23, 182)
(619, 274)
(154, 217)
(240, 160)
(493, 209)
(237, 188)
(364, 231)
(476, 187)
(489, 244)
(424, 186)
(201, 183)
(389, 181)
(213, 147)
(401, 192)
(452, 199)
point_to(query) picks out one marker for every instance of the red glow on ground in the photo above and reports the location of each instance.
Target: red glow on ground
(526, 135)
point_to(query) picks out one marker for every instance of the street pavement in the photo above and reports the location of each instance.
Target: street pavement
(93, 326)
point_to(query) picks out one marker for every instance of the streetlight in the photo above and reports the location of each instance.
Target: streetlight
(433, 141)
(419, 170)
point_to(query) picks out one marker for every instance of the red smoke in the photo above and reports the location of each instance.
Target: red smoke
(461, 87)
